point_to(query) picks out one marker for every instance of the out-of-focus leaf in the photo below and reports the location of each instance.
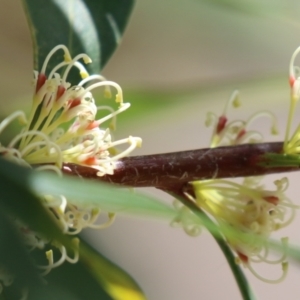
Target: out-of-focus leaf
(98, 194)
(94, 27)
(144, 104)
(84, 280)
(115, 281)
(51, 291)
(19, 201)
(238, 274)
(256, 7)
(71, 281)
(15, 259)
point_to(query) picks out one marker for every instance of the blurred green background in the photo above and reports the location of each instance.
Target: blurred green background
(178, 60)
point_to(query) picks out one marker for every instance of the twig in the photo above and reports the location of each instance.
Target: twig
(176, 169)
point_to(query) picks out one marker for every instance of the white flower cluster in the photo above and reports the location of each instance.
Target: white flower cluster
(63, 128)
(246, 213)
(57, 105)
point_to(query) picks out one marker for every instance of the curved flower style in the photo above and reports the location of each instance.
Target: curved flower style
(248, 214)
(236, 132)
(63, 128)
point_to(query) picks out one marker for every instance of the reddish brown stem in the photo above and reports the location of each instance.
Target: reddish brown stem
(172, 170)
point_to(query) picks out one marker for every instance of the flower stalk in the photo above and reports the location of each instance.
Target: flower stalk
(178, 168)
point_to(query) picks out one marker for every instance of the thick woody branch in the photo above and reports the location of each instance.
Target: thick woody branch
(176, 169)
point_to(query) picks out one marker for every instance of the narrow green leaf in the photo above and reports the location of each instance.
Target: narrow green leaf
(71, 281)
(94, 27)
(237, 272)
(98, 194)
(15, 259)
(51, 291)
(21, 203)
(257, 8)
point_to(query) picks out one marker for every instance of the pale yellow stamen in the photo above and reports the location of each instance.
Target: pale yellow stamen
(67, 56)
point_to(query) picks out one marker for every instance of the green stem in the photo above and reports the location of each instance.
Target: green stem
(238, 274)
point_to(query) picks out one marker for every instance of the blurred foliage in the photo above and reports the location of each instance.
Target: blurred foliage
(90, 26)
(95, 28)
(18, 183)
(250, 6)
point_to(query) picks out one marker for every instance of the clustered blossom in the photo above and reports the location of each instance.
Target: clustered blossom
(63, 128)
(57, 104)
(246, 213)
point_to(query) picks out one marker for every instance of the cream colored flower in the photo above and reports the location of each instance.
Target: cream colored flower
(58, 105)
(63, 127)
(247, 215)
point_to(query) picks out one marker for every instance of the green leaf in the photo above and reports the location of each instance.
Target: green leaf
(114, 280)
(84, 280)
(237, 272)
(99, 195)
(252, 7)
(94, 27)
(71, 281)
(14, 186)
(19, 201)
(15, 259)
